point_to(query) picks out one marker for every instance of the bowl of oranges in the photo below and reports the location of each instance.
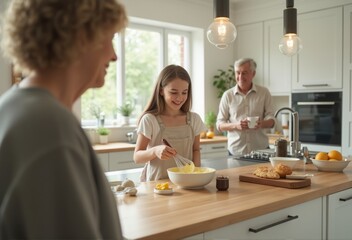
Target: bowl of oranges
(331, 161)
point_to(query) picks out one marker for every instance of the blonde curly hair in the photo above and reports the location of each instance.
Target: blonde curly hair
(40, 34)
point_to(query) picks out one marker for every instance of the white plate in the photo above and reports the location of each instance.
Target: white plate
(299, 176)
(164, 192)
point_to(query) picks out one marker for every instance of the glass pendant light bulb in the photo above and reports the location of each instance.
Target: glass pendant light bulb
(290, 44)
(221, 32)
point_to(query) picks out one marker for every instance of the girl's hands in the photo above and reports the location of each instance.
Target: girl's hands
(164, 152)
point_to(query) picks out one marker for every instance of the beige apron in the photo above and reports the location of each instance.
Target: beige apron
(181, 138)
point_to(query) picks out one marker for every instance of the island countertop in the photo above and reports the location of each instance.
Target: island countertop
(190, 212)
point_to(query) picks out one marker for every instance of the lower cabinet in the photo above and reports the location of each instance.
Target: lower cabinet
(303, 221)
(339, 215)
(115, 161)
(122, 161)
(213, 150)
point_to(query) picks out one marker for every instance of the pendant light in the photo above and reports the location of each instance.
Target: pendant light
(290, 43)
(221, 31)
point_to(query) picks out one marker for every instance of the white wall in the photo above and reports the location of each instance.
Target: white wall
(196, 15)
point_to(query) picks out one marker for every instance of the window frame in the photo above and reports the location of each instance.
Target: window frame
(164, 32)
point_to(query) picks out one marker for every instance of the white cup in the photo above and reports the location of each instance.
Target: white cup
(252, 121)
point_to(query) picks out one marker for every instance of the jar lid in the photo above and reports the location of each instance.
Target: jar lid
(280, 140)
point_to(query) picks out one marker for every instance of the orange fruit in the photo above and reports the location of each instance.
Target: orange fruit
(322, 156)
(334, 154)
(210, 134)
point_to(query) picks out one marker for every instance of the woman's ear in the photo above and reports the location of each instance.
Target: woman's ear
(161, 92)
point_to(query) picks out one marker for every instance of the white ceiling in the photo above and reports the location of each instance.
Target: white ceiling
(237, 4)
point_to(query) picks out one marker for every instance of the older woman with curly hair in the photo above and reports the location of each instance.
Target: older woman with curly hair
(52, 186)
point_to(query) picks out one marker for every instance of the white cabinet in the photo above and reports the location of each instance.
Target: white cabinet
(122, 160)
(115, 161)
(319, 64)
(347, 83)
(260, 41)
(298, 222)
(249, 44)
(277, 67)
(213, 150)
(195, 237)
(339, 215)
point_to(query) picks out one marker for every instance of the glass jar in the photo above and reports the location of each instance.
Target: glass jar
(222, 183)
(281, 147)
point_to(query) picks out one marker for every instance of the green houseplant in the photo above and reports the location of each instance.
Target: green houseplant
(225, 79)
(103, 135)
(210, 120)
(126, 110)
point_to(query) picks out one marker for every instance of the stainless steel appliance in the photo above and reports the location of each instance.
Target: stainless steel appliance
(320, 117)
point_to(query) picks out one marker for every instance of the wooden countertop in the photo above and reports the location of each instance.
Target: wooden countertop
(124, 146)
(189, 212)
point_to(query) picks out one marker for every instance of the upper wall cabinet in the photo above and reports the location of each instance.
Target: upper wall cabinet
(277, 67)
(260, 41)
(319, 64)
(249, 44)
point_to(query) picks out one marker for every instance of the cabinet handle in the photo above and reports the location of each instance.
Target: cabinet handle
(315, 103)
(315, 85)
(289, 218)
(220, 147)
(345, 199)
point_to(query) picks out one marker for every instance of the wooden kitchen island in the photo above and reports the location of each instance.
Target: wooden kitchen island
(187, 213)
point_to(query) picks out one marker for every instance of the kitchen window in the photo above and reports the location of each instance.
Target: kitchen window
(143, 50)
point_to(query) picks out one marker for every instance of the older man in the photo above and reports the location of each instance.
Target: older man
(245, 100)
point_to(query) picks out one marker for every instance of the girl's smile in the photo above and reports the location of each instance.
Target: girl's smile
(175, 93)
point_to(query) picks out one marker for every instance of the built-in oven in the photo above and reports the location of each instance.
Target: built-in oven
(320, 117)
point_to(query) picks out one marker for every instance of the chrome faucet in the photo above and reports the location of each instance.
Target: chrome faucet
(295, 145)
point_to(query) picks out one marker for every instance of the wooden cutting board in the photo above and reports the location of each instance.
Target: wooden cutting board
(285, 183)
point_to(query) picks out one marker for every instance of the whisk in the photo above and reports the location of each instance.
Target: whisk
(184, 164)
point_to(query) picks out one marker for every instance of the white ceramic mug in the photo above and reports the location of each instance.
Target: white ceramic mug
(252, 121)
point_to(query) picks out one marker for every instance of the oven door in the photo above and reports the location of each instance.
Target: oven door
(320, 121)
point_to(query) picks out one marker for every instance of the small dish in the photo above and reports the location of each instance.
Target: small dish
(164, 192)
(299, 176)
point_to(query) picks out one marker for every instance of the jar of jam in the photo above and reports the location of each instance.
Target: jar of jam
(281, 147)
(222, 183)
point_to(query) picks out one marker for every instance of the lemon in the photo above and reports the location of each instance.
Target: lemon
(210, 134)
(334, 154)
(322, 156)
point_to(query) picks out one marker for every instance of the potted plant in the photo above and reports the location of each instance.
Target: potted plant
(210, 121)
(95, 110)
(103, 135)
(126, 110)
(225, 79)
